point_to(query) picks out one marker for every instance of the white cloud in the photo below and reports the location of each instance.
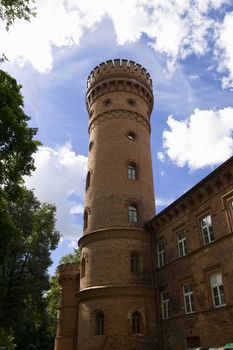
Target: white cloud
(163, 202)
(161, 156)
(60, 175)
(77, 209)
(203, 139)
(224, 50)
(175, 28)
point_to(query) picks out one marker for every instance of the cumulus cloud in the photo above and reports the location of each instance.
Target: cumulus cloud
(175, 28)
(203, 139)
(59, 178)
(224, 50)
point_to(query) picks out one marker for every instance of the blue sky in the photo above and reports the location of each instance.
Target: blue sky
(186, 46)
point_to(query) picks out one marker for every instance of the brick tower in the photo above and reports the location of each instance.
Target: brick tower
(117, 299)
(66, 335)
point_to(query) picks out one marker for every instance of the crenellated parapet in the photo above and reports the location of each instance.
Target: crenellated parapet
(68, 272)
(119, 75)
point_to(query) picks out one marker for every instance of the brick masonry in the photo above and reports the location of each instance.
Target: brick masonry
(119, 102)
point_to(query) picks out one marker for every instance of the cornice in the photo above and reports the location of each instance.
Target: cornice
(114, 233)
(117, 114)
(115, 290)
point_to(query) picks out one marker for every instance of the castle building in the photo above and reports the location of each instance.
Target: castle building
(145, 281)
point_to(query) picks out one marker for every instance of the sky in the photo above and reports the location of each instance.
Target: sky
(186, 45)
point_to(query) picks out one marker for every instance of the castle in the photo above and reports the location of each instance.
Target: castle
(145, 281)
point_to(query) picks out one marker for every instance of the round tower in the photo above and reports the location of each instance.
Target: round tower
(67, 314)
(116, 297)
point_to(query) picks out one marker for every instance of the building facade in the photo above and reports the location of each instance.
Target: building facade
(145, 281)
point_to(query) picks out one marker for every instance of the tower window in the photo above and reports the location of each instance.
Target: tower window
(131, 102)
(131, 135)
(136, 323)
(91, 144)
(83, 267)
(135, 262)
(99, 323)
(107, 102)
(85, 219)
(88, 180)
(132, 171)
(133, 213)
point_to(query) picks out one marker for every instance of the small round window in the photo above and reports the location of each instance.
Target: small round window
(107, 102)
(131, 135)
(131, 102)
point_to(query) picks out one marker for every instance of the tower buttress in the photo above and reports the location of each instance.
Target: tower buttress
(67, 315)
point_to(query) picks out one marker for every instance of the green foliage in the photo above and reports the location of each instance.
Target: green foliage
(71, 257)
(12, 9)
(6, 340)
(16, 148)
(23, 277)
(16, 138)
(27, 231)
(53, 297)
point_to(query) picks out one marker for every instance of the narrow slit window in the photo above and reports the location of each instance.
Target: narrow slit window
(135, 262)
(99, 323)
(85, 219)
(88, 180)
(136, 323)
(83, 267)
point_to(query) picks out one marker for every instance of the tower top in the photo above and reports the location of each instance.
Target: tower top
(119, 67)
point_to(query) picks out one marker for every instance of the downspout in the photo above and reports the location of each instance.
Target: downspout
(157, 296)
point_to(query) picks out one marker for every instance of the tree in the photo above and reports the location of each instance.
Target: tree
(23, 277)
(71, 257)
(16, 138)
(12, 9)
(16, 148)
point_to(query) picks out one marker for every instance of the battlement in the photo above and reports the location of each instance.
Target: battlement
(69, 270)
(119, 67)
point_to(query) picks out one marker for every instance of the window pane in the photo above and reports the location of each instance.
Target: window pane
(133, 215)
(217, 289)
(132, 172)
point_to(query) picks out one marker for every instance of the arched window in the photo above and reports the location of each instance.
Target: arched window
(136, 323)
(133, 213)
(135, 262)
(85, 219)
(83, 267)
(99, 323)
(132, 171)
(88, 180)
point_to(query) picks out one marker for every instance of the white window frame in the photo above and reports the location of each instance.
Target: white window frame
(132, 171)
(133, 213)
(217, 292)
(182, 243)
(165, 305)
(207, 229)
(161, 253)
(189, 304)
(230, 205)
